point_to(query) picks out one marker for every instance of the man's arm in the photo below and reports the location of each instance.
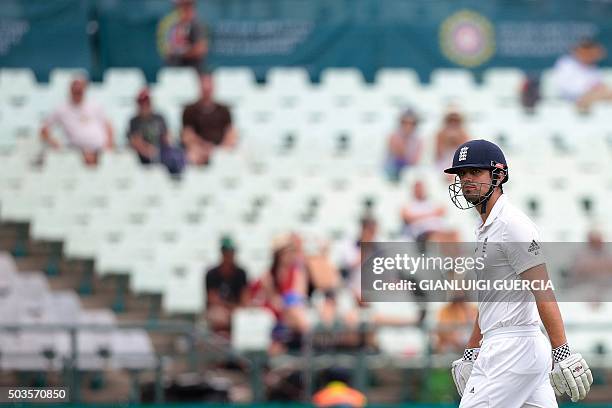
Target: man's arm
(476, 337)
(110, 141)
(45, 135)
(547, 306)
(230, 138)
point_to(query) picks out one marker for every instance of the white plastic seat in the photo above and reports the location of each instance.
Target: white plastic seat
(95, 345)
(402, 342)
(343, 84)
(504, 83)
(176, 85)
(184, 291)
(452, 83)
(285, 85)
(123, 84)
(17, 85)
(132, 349)
(252, 329)
(398, 86)
(233, 84)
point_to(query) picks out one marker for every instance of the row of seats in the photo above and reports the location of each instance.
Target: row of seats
(27, 300)
(171, 233)
(288, 90)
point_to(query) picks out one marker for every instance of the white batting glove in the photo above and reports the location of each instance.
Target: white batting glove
(462, 369)
(570, 374)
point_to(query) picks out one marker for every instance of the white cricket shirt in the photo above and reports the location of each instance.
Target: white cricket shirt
(509, 243)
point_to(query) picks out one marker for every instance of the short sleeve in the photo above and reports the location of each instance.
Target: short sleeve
(227, 118)
(522, 246)
(188, 118)
(133, 128)
(162, 124)
(212, 282)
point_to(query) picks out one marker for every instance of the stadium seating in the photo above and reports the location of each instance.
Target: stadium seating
(309, 159)
(27, 300)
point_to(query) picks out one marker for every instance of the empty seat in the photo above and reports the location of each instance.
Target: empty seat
(184, 290)
(504, 83)
(123, 84)
(132, 349)
(252, 329)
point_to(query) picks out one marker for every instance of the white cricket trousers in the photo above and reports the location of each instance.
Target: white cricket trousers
(511, 371)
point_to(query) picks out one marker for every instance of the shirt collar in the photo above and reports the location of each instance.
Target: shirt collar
(499, 205)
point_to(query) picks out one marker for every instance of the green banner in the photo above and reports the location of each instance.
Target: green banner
(367, 34)
(44, 34)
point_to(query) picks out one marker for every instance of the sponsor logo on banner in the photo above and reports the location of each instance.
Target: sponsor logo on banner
(467, 38)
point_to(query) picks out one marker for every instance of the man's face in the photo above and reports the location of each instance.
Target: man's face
(419, 191)
(474, 183)
(408, 125)
(77, 91)
(590, 55)
(186, 11)
(228, 256)
(368, 232)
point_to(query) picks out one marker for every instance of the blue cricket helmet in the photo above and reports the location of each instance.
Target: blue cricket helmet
(480, 154)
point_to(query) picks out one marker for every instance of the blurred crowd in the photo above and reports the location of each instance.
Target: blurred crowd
(306, 289)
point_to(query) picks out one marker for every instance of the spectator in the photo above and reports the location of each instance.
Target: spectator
(226, 288)
(83, 122)
(148, 130)
(592, 267)
(350, 263)
(577, 77)
(455, 321)
(424, 220)
(283, 291)
(149, 136)
(185, 39)
(405, 146)
(451, 135)
(206, 124)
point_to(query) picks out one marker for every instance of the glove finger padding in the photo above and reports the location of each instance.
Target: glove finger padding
(572, 387)
(456, 372)
(575, 370)
(461, 371)
(557, 386)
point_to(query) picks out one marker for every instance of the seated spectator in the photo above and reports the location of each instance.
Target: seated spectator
(350, 263)
(424, 220)
(226, 288)
(185, 39)
(283, 291)
(405, 146)
(577, 77)
(148, 131)
(83, 123)
(451, 135)
(455, 323)
(592, 267)
(149, 137)
(206, 125)
(322, 272)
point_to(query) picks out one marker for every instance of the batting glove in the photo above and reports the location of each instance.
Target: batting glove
(570, 374)
(462, 369)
